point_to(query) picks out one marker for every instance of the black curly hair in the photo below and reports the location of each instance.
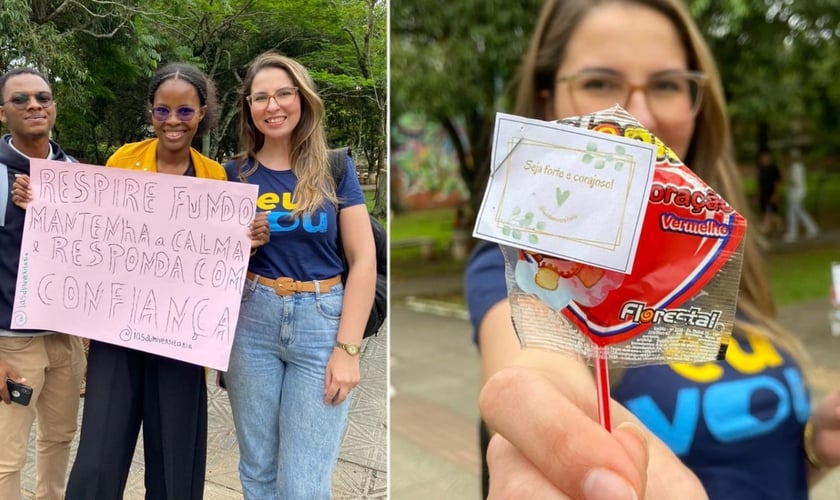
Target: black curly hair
(21, 71)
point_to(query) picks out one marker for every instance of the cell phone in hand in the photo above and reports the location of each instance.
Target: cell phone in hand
(19, 393)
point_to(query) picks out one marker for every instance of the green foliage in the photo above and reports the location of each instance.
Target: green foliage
(101, 56)
(778, 61)
(452, 62)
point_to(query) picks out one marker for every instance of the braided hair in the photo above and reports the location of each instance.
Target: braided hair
(203, 85)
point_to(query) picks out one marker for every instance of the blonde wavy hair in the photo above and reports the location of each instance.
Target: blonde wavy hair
(710, 151)
(308, 142)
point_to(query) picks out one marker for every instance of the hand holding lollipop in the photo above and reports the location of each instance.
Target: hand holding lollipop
(675, 300)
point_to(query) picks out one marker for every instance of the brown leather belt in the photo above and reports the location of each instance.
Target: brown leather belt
(286, 286)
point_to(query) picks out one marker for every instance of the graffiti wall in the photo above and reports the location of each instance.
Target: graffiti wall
(424, 166)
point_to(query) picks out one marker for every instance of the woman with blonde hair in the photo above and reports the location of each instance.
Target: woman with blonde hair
(738, 428)
(295, 355)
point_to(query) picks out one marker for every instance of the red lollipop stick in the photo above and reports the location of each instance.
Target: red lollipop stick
(602, 380)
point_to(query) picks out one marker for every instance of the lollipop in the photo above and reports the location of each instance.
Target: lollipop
(675, 299)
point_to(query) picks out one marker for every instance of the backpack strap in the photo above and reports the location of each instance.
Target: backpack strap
(338, 163)
(4, 193)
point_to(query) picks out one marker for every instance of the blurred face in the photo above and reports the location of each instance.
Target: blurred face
(630, 53)
(28, 108)
(176, 113)
(275, 104)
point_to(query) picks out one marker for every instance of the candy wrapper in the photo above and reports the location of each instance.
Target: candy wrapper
(675, 302)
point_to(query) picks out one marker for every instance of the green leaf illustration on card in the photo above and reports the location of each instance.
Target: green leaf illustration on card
(528, 219)
(523, 225)
(561, 195)
(603, 159)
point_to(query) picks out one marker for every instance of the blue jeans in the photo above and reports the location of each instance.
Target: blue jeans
(289, 438)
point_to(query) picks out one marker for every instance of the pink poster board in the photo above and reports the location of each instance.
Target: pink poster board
(143, 260)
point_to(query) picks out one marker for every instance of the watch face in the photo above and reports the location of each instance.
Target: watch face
(349, 348)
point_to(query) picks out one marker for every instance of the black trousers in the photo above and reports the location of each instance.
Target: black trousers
(124, 389)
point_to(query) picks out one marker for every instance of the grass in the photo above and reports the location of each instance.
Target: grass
(435, 224)
(370, 198)
(795, 275)
(803, 275)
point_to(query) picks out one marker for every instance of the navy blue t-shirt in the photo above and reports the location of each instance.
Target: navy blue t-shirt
(304, 248)
(738, 424)
(484, 282)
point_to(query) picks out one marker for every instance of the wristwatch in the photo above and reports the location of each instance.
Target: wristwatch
(351, 349)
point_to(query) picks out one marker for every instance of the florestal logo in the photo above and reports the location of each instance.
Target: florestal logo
(639, 312)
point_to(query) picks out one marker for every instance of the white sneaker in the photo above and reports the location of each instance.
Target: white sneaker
(812, 235)
(789, 238)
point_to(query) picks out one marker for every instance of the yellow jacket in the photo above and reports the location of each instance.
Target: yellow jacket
(143, 156)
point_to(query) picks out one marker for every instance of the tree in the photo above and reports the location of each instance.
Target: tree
(70, 41)
(101, 54)
(451, 61)
(454, 60)
(776, 58)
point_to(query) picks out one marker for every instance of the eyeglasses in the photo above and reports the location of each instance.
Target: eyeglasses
(184, 113)
(669, 94)
(283, 96)
(21, 101)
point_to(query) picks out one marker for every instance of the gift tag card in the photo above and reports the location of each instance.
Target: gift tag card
(567, 192)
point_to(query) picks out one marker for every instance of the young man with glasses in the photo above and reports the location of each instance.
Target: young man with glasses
(52, 364)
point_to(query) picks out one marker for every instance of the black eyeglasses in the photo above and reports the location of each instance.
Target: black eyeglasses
(184, 113)
(20, 100)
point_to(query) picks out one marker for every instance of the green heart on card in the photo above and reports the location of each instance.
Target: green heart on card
(562, 196)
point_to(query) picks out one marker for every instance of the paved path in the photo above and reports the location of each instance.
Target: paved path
(362, 468)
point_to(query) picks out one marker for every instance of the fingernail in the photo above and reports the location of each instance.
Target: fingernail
(603, 484)
(635, 429)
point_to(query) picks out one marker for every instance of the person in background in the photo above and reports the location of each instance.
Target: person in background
(295, 355)
(769, 182)
(796, 190)
(126, 387)
(673, 436)
(51, 363)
